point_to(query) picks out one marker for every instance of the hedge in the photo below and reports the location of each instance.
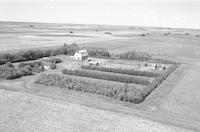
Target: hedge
(25, 71)
(133, 55)
(35, 66)
(122, 71)
(8, 71)
(107, 76)
(97, 52)
(53, 60)
(36, 54)
(120, 91)
(31, 64)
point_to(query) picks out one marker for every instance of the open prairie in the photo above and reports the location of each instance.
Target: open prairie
(175, 102)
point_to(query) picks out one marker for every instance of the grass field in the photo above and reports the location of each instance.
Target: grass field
(19, 111)
(185, 97)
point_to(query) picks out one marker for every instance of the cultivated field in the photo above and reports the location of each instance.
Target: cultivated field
(134, 87)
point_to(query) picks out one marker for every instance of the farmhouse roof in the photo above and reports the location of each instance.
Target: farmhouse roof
(83, 52)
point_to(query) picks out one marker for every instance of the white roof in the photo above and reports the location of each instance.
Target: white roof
(83, 52)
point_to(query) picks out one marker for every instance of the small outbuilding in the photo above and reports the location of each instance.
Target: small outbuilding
(81, 55)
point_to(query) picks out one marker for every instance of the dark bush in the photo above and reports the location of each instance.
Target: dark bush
(120, 91)
(8, 72)
(9, 65)
(197, 35)
(36, 66)
(6, 57)
(143, 35)
(67, 50)
(28, 55)
(122, 71)
(108, 33)
(47, 52)
(25, 71)
(38, 69)
(97, 52)
(31, 64)
(133, 55)
(31, 26)
(12, 74)
(53, 60)
(107, 76)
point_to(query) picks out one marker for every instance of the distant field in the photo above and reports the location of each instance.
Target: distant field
(175, 45)
(21, 36)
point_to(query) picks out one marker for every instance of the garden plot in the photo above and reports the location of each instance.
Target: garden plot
(110, 78)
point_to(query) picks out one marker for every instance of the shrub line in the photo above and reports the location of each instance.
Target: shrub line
(121, 71)
(106, 76)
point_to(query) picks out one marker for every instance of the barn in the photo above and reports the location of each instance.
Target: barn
(81, 55)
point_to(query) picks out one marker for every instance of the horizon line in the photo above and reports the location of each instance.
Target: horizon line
(164, 27)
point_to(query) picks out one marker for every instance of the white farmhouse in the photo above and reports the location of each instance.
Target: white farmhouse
(81, 54)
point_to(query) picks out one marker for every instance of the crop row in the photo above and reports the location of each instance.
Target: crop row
(123, 92)
(121, 71)
(107, 76)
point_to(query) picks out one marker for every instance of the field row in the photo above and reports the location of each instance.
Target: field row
(107, 76)
(121, 71)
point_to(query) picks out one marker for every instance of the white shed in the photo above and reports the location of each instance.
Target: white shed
(81, 54)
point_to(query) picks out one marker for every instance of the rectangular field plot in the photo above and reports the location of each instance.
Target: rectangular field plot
(125, 84)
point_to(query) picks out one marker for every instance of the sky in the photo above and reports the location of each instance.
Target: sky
(154, 13)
